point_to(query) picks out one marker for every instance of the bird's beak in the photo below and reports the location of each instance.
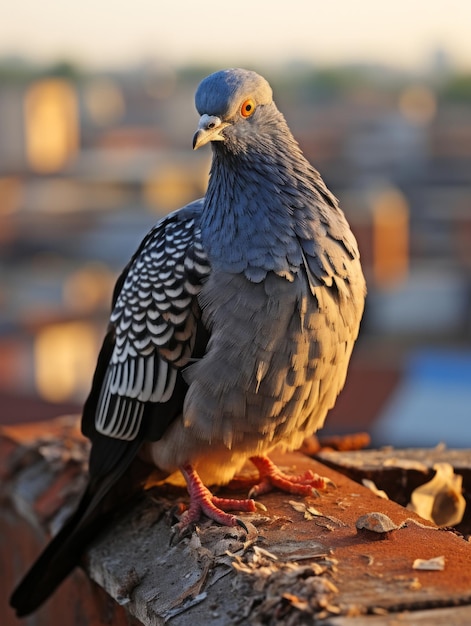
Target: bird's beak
(209, 129)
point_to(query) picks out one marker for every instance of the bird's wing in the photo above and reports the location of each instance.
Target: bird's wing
(329, 249)
(137, 389)
(153, 330)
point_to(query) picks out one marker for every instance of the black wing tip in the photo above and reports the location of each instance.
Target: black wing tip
(37, 585)
(20, 601)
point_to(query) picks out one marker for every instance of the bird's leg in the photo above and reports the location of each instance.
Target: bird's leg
(202, 501)
(271, 476)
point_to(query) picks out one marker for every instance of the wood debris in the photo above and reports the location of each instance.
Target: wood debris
(435, 564)
(286, 591)
(311, 512)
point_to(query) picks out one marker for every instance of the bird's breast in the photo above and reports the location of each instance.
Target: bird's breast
(277, 356)
(275, 362)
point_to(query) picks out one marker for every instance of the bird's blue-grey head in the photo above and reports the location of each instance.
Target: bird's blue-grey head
(229, 103)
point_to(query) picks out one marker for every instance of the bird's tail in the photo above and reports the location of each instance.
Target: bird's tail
(95, 510)
(58, 559)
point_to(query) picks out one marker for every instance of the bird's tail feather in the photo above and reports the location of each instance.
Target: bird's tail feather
(95, 510)
(58, 559)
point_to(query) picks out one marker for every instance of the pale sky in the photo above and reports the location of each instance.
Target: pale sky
(114, 32)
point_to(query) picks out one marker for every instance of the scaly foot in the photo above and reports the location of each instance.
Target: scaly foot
(203, 502)
(271, 476)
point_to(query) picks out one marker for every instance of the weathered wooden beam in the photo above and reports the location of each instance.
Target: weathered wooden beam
(303, 560)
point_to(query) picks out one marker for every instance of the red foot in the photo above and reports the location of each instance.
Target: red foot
(271, 476)
(202, 501)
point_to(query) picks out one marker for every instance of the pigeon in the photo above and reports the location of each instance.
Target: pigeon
(230, 334)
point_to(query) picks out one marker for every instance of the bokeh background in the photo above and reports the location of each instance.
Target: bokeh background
(96, 122)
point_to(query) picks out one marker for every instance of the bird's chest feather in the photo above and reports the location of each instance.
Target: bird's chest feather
(252, 325)
(247, 225)
(265, 359)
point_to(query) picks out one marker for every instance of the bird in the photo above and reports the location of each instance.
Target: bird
(231, 330)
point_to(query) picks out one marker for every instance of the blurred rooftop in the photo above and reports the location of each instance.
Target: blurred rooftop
(90, 160)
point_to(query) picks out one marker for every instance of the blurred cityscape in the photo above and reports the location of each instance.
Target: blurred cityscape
(90, 160)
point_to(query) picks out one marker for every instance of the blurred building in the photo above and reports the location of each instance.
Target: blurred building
(88, 163)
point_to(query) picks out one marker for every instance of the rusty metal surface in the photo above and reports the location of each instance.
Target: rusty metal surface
(454, 616)
(315, 539)
(380, 571)
(399, 472)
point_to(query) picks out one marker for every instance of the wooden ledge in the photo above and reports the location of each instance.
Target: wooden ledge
(302, 560)
(399, 472)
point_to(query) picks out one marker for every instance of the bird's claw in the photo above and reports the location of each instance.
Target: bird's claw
(203, 502)
(259, 506)
(305, 484)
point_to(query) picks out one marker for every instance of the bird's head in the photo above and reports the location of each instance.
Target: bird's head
(230, 103)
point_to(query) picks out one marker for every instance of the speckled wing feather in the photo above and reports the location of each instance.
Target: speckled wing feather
(155, 319)
(138, 386)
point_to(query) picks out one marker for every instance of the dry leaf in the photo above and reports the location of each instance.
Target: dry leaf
(313, 512)
(437, 563)
(369, 484)
(300, 507)
(440, 500)
(261, 552)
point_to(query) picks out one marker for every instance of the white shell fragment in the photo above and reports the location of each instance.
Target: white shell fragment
(437, 563)
(440, 500)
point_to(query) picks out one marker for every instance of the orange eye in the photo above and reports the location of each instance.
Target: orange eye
(247, 108)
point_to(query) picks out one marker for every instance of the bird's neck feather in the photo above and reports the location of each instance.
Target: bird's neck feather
(258, 201)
